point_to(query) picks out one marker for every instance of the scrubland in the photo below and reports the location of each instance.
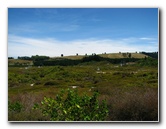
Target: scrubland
(131, 91)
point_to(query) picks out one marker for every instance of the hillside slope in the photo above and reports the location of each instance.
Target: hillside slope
(109, 55)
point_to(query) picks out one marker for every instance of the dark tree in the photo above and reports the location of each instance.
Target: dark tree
(61, 55)
(10, 58)
(39, 58)
(129, 55)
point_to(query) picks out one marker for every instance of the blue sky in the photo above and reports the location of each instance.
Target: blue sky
(53, 31)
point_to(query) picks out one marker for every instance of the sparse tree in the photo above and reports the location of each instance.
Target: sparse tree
(129, 55)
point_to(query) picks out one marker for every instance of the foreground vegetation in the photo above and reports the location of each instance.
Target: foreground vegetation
(73, 107)
(130, 91)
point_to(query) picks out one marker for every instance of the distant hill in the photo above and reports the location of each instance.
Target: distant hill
(122, 55)
(76, 59)
(109, 55)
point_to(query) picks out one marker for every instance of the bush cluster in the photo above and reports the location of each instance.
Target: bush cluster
(15, 107)
(72, 107)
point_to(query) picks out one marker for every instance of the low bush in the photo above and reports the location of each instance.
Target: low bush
(51, 83)
(72, 107)
(15, 107)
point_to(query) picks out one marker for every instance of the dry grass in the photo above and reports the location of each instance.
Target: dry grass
(119, 55)
(109, 55)
(27, 114)
(13, 61)
(136, 104)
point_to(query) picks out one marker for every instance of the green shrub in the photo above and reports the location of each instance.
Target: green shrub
(72, 107)
(51, 83)
(16, 107)
(148, 62)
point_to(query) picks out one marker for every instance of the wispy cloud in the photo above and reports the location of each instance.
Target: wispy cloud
(147, 38)
(71, 27)
(42, 27)
(26, 28)
(21, 46)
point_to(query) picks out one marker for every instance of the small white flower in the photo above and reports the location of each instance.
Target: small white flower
(32, 84)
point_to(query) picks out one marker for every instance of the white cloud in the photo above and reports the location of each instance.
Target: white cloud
(21, 46)
(146, 38)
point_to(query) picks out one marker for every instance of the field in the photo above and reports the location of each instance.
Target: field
(130, 90)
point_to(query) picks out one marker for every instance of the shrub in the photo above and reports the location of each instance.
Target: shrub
(73, 107)
(51, 83)
(148, 62)
(16, 107)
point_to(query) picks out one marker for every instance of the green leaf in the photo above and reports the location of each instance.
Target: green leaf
(77, 105)
(65, 111)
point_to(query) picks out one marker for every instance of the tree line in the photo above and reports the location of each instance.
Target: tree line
(69, 62)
